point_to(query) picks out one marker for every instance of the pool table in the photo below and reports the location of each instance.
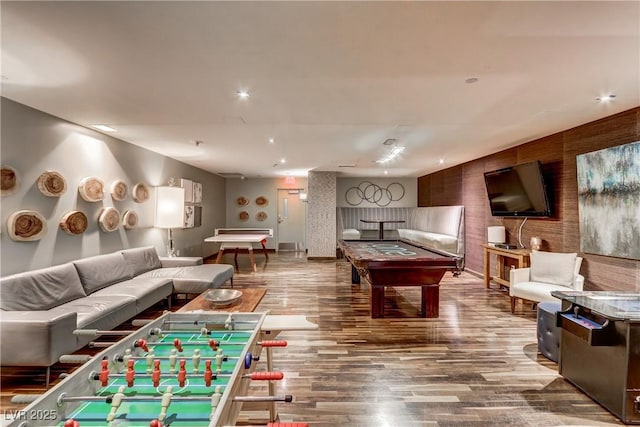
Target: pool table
(399, 263)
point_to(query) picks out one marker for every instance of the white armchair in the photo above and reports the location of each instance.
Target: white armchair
(549, 271)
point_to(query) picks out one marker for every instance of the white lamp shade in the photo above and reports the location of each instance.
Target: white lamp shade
(496, 234)
(169, 207)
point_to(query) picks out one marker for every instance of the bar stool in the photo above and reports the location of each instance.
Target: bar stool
(547, 331)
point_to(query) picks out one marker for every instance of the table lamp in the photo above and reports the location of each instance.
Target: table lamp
(169, 212)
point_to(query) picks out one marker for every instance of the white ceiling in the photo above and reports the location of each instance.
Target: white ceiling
(330, 81)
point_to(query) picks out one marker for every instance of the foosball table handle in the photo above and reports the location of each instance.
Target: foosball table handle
(288, 425)
(273, 343)
(266, 376)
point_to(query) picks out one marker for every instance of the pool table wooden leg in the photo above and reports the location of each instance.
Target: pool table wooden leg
(377, 302)
(355, 276)
(430, 301)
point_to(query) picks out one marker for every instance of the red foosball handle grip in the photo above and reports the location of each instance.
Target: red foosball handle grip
(288, 425)
(266, 376)
(273, 343)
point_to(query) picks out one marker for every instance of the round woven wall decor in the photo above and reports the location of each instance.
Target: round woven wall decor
(52, 184)
(26, 226)
(74, 222)
(140, 193)
(109, 219)
(10, 181)
(261, 216)
(91, 189)
(130, 220)
(119, 190)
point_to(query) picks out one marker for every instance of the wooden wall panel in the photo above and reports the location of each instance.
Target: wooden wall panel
(464, 184)
(452, 187)
(437, 189)
(476, 212)
(424, 191)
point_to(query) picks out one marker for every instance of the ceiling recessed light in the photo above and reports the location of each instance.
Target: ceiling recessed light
(386, 172)
(283, 160)
(389, 141)
(441, 161)
(243, 94)
(103, 128)
(272, 140)
(606, 98)
(471, 80)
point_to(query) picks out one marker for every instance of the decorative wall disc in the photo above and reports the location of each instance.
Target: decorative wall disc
(10, 181)
(373, 193)
(109, 219)
(262, 201)
(130, 220)
(25, 226)
(119, 190)
(261, 216)
(140, 193)
(244, 216)
(242, 201)
(74, 222)
(52, 184)
(91, 189)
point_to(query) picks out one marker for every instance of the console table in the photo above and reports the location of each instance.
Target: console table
(520, 255)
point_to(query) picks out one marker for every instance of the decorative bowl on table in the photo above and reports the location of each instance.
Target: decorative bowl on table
(223, 297)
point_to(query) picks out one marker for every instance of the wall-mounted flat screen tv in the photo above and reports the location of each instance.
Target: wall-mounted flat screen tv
(518, 191)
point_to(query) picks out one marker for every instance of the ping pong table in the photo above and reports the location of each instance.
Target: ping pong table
(241, 238)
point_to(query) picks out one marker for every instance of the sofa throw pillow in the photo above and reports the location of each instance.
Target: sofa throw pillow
(40, 289)
(141, 260)
(553, 267)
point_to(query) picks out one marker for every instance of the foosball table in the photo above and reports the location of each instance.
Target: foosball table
(180, 370)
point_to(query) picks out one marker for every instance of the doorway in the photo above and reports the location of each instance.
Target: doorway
(291, 226)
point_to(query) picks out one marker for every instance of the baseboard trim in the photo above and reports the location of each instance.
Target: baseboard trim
(321, 258)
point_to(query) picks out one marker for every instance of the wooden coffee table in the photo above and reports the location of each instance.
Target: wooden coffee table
(248, 302)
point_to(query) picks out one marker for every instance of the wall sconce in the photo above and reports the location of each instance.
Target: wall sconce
(169, 212)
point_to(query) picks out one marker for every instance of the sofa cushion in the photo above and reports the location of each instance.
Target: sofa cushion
(141, 260)
(553, 267)
(100, 312)
(535, 291)
(146, 291)
(100, 271)
(436, 241)
(40, 289)
(350, 234)
(196, 279)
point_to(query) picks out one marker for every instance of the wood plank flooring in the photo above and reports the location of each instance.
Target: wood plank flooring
(476, 365)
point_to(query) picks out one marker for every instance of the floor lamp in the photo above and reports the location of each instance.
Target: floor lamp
(169, 212)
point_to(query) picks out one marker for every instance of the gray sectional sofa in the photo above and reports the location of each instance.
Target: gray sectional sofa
(40, 309)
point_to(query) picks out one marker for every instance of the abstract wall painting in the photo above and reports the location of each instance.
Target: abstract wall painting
(609, 201)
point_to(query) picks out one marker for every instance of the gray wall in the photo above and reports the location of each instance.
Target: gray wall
(252, 188)
(34, 142)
